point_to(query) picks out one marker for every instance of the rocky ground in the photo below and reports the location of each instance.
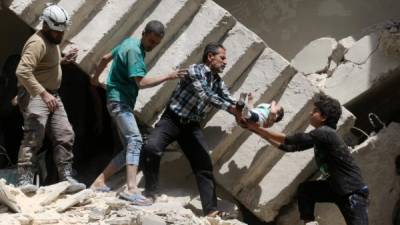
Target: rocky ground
(50, 205)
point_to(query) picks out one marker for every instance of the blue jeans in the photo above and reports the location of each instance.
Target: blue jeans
(124, 119)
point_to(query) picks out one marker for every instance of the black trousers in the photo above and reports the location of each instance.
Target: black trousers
(352, 206)
(192, 142)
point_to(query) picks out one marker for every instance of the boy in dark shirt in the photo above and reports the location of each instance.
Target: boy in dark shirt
(343, 185)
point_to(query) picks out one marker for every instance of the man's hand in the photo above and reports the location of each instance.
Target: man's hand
(238, 115)
(70, 56)
(50, 101)
(251, 125)
(179, 73)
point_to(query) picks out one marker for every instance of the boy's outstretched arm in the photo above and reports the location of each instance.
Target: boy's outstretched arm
(292, 143)
(275, 138)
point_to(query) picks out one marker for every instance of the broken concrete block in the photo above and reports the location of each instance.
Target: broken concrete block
(149, 219)
(7, 198)
(278, 187)
(314, 58)
(99, 211)
(266, 77)
(109, 26)
(297, 100)
(381, 179)
(351, 80)
(178, 13)
(79, 12)
(115, 203)
(242, 47)
(121, 221)
(77, 198)
(53, 192)
(362, 49)
(209, 24)
(28, 11)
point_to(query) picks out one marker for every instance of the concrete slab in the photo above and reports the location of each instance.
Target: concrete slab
(28, 10)
(314, 58)
(109, 26)
(297, 100)
(363, 48)
(351, 80)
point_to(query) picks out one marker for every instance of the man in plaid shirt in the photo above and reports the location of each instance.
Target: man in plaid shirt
(188, 105)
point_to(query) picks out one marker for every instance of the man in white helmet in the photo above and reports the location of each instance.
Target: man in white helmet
(39, 75)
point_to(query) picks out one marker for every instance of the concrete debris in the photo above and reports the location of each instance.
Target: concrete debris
(314, 58)
(50, 205)
(7, 198)
(362, 49)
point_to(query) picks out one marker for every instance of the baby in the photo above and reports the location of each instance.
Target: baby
(265, 115)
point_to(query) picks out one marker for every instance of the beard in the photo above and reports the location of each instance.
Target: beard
(51, 39)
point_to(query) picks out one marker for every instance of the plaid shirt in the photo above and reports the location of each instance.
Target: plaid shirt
(195, 93)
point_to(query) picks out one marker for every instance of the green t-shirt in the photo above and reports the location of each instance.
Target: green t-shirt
(128, 63)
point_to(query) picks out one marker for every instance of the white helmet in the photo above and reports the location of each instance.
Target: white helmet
(56, 17)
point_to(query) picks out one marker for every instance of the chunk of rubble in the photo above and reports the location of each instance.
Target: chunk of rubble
(362, 49)
(7, 198)
(314, 58)
(149, 219)
(75, 199)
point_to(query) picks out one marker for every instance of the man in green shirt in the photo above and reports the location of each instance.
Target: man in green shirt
(126, 77)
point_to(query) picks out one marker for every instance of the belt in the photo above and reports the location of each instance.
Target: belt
(180, 119)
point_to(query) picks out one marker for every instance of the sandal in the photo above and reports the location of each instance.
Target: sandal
(136, 199)
(222, 214)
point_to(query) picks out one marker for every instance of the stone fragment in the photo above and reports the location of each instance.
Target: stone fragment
(54, 191)
(77, 198)
(149, 219)
(362, 49)
(314, 58)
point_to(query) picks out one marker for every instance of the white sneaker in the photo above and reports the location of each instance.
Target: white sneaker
(312, 223)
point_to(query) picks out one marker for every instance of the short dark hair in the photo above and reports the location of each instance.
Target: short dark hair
(211, 48)
(329, 108)
(155, 27)
(279, 114)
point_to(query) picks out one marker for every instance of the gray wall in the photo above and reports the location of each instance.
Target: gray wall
(288, 25)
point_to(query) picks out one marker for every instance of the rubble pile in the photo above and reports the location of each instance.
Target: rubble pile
(50, 205)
